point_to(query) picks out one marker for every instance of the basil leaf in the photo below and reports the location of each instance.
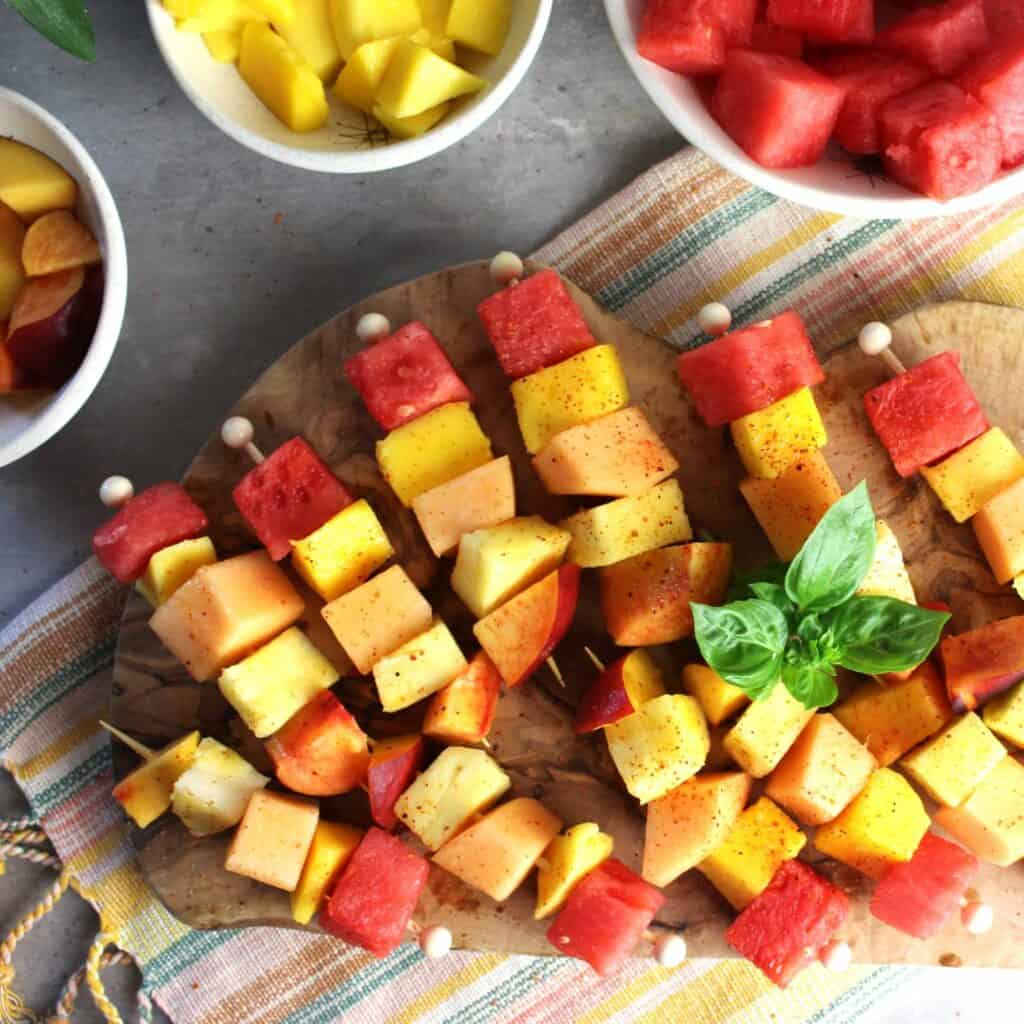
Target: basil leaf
(775, 594)
(743, 642)
(811, 683)
(64, 22)
(875, 635)
(835, 558)
(742, 585)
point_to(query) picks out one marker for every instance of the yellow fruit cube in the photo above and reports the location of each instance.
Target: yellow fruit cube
(205, 16)
(224, 46)
(362, 21)
(282, 677)
(887, 575)
(765, 731)
(1004, 715)
(718, 699)
(145, 794)
(361, 76)
(770, 440)
(417, 79)
(479, 24)
(419, 668)
(281, 79)
(273, 839)
(174, 566)
(883, 825)
(432, 449)
(762, 839)
(977, 473)
(435, 16)
(567, 859)
(333, 844)
(311, 36)
(582, 388)
(659, 746)
(460, 783)
(12, 270)
(31, 183)
(282, 13)
(212, 794)
(496, 563)
(999, 527)
(411, 127)
(344, 552)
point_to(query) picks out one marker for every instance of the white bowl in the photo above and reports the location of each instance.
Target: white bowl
(836, 183)
(350, 142)
(27, 421)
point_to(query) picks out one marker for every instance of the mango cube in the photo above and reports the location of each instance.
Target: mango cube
(174, 566)
(718, 699)
(362, 21)
(419, 668)
(212, 794)
(883, 825)
(411, 127)
(273, 839)
(479, 24)
(31, 183)
(887, 575)
(582, 388)
(12, 270)
(460, 783)
(999, 527)
(311, 36)
(282, 13)
(361, 76)
(224, 46)
(210, 16)
(567, 859)
(432, 449)
(145, 794)
(417, 79)
(762, 839)
(435, 17)
(765, 731)
(659, 746)
(333, 844)
(1004, 715)
(770, 440)
(971, 477)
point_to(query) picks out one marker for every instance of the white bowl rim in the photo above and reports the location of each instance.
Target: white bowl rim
(709, 139)
(70, 399)
(382, 158)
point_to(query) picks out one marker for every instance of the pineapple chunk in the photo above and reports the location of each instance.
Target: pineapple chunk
(718, 699)
(417, 79)
(281, 678)
(361, 76)
(412, 128)
(567, 859)
(462, 782)
(419, 668)
(887, 575)
(659, 746)
(765, 731)
(212, 795)
(273, 839)
(224, 46)
(173, 566)
(333, 844)
(999, 527)
(311, 36)
(362, 21)
(432, 449)
(1004, 715)
(496, 563)
(479, 24)
(145, 794)
(628, 526)
(770, 440)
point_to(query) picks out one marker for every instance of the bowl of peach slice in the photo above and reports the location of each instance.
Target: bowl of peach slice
(63, 276)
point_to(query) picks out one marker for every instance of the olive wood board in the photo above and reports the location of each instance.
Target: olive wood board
(306, 392)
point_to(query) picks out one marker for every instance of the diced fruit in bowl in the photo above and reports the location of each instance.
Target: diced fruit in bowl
(32, 184)
(983, 662)
(173, 566)
(479, 24)
(417, 79)
(941, 38)
(419, 668)
(410, 127)
(360, 21)
(55, 242)
(838, 21)
(620, 690)
(568, 859)
(718, 699)
(360, 78)
(332, 848)
(311, 35)
(767, 38)
(392, 768)
(463, 712)
(12, 270)
(674, 35)
(145, 794)
(766, 730)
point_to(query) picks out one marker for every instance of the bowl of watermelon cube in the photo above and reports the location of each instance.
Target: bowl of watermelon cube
(862, 107)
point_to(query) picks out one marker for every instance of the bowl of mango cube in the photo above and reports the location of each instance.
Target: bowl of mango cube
(348, 86)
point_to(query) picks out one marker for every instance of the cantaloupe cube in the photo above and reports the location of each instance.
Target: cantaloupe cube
(419, 668)
(31, 183)
(762, 839)
(990, 822)
(12, 271)
(496, 563)
(689, 823)
(999, 527)
(333, 844)
(311, 36)
(770, 440)
(883, 825)
(480, 24)
(281, 79)
(496, 853)
(361, 76)
(145, 794)
(887, 576)
(411, 127)
(225, 611)
(582, 388)
(567, 859)
(432, 449)
(273, 839)
(626, 527)
(889, 720)
(1004, 715)
(417, 79)
(659, 746)
(718, 699)
(224, 46)
(765, 731)
(790, 506)
(362, 21)
(173, 567)
(460, 783)
(821, 773)
(282, 677)
(977, 473)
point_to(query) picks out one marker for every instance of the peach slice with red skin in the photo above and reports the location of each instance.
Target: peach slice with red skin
(393, 766)
(983, 662)
(57, 241)
(619, 691)
(463, 712)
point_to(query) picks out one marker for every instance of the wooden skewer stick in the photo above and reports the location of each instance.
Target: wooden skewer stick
(714, 319)
(116, 491)
(598, 663)
(874, 340)
(372, 327)
(556, 671)
(669, 947)
(434, 939)
(238, 432)
(507, 269)
(146, 753)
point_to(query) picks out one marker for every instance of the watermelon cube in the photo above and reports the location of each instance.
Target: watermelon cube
(923, 415)
(1005, 18)
(920, 896)
(373, 900)
(780, 111)
(534, 324)
(404, 376)
(678, 35)
(605, 917)
(749, 369)
(996, 79)
(828, 21)
(160, 516)
(289, 496)
(941, 38)
(767, 38)
(790, 923)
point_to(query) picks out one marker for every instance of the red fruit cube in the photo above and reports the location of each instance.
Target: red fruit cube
(670, 35)
(996, 79)
(534, 324)
(1005, 18)
(830, 21)
(870, 79)
(779, 110)
(941, 141)
(736, 18)
(941, 38)
(160, 516)
(373, 900)
(925, 414)
(789, 924)
(289, 496)
(749, 369)
(605, 917)
(405, 376)
(767, 38)
(918, 897)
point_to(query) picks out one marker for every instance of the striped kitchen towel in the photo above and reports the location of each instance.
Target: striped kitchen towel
(684, 233)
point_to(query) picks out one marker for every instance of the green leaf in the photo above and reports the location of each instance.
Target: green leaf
(743, 642)
(811, 683)
(875, 635)
(741, 588)
(64, 22)
(775, 593)
(835, 558)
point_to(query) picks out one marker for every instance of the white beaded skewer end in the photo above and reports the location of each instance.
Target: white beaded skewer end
(507, 268)
(373, 327)
(874, 340)
(977, 917)
(116, 491)
(836, 956)
(714, 319)
(434, 939)
(669, 947)
(238, 432)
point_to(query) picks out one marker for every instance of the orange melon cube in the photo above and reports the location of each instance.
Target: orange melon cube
(273, 839)
(999, 527)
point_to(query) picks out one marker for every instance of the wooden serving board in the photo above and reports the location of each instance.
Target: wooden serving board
(305, 392)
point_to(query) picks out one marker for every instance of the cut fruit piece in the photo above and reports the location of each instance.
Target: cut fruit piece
(1005, 716)
(273, 839)
(887, 575)
(145, 794)
(359, 80)
(770, 440)
(683, 36)
(767, 38)
(416, 80)
(201, 17)
(765, 732)
(420, 667)
(393, 767)
(12, 271)
(620, 690)
(479, 24)
(984, 662)
(835, 21)
(463, 712)
(311, 35)
(568, 859)
(57, 241)
(996, 79)
(411, 127)
(31, 183)
(941, 38)
(999, 527)
(332, 847)
(362, 21)
(224, 45)
(173, 566)
(718, 699)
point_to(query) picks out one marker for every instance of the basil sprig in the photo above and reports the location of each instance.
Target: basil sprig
(798, 622)
(64, 22)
